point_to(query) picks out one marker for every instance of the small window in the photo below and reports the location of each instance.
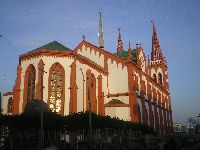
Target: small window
(155, 77)
(10, 101)
(160, 78)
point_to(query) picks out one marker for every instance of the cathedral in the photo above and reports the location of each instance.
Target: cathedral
(125, 84)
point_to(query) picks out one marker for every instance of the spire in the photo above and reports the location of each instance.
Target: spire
(156, 53)
(129, 51)
(120, 43)
(100, 34)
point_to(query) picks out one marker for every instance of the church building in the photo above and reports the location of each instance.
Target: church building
(125, 84)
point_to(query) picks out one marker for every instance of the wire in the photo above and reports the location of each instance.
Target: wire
(8, 42)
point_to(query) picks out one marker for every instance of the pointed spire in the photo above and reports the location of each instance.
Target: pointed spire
(156, 53)
(148, 60)
(120, 43)
(100, 34)
(129, 51)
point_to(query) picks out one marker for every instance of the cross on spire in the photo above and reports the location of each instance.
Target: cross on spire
(83, 37)
(120, 43)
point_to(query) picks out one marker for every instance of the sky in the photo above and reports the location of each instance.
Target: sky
(27, 25)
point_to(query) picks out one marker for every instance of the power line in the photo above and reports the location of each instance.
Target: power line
(11, 44)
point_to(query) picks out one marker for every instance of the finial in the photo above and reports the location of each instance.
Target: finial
(154, 28)
(137, 45)
(100, 10)
(83, 37)
(120, 43)
(129, 45)
(129, 51)
(119, 29)
(148, 60)
(152, 21)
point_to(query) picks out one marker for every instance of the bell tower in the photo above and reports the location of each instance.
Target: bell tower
(157, 64)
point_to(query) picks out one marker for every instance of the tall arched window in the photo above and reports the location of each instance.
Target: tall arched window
(30, 75)
(136, 82)
(56, 88)
(91, 88)
(139, 113)
(160, 78)
(93, 93)
(29, 84)
(155, 77)
(9, 108)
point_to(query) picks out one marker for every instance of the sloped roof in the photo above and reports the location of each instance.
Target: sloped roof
(124, 55)
(54, 45)
(98, 49)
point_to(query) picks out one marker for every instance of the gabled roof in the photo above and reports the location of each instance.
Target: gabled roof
(52, 46)
(101, 51)
(124, 55)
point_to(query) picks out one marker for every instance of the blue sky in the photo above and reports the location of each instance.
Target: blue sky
(30, 24)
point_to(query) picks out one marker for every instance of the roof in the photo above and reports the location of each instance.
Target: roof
(8, 93)
(124, 54)
(115, 101)
(98, 49)
(52, 46)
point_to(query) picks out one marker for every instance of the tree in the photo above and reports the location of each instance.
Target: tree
(192, 122)
(1, 111)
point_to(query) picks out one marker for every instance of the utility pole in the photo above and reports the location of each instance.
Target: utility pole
(0, 104)
(90, 117)
(42, 108)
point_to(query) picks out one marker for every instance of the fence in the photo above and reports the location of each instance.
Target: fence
(102, 139)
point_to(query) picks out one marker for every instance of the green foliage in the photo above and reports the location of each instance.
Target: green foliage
(72, 122)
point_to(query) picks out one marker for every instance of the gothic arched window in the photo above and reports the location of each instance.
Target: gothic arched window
(9, 108)
(56, 86)
(29, 84)
(91, 91)
(155, 77)
(160, 78)
(139, 113)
